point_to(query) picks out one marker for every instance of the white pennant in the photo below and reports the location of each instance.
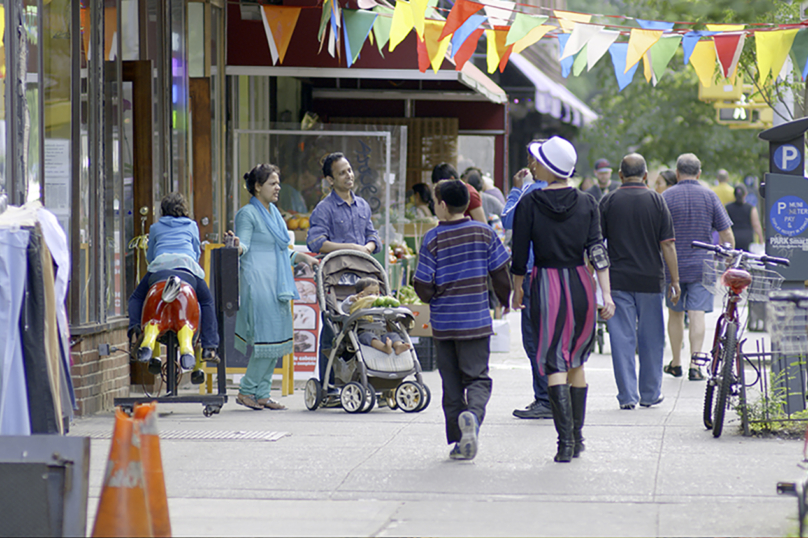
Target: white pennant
(499, 12)
(598, 46)
(273, 48)
(579, 38)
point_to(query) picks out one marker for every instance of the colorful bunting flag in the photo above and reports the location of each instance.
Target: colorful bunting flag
(381, 28)
(662, 52)
(728, 48)
(638, 44)
(423, 55)
(401, 25)
(356, 25)
(435, 49)
(465, 31)
(799, 49)
(579, 37)
(580, 61)
(522, 25)
(689, 41)
(647, 72)
(324, 18)
(703, 61)
(467, 48)
(566, 63)
(598, 46)
(532, 37)
(618, 52)
(655, 25)
(460, 13)
(568, 19)
(725, 27)
(772, 49)
(500, 12)
(279, 31)
(496, 47)
(418, 8)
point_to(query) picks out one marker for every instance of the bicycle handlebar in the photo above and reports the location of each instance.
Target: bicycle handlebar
(731, 253)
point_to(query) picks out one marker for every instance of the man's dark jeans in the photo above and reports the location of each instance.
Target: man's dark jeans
(530, 341)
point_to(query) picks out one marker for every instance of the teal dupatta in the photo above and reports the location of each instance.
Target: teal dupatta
(285, 282)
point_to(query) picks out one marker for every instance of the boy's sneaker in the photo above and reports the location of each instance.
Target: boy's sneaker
(455, 453)
(469, 427)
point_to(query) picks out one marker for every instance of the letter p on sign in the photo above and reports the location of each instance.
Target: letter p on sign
(787, 157)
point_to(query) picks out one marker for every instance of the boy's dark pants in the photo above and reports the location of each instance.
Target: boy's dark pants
(463, 366)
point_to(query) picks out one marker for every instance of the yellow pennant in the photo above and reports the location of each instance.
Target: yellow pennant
(401, 25)
(568, 19)
(703, 61)
(638, 44)
(772, 49)
(436, 50)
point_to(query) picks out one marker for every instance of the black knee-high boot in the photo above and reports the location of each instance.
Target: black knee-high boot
(561, 404)
(578, 397)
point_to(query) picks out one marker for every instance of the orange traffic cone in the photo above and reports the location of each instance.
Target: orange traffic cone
(146, 415)
(122, 508)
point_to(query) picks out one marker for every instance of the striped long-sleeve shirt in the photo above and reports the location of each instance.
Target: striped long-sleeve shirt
(452, 276)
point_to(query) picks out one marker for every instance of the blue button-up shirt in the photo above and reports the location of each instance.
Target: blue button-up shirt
(337, 221)
(510, 210)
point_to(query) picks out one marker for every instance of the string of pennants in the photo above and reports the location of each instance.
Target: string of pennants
(507, 31)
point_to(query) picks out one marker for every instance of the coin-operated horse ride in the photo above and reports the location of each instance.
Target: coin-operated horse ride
(171, 316)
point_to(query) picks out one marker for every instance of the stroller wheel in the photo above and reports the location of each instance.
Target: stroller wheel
(409, 396)
(353, 397)
(427, 398)
(313, 394)
(370, 400)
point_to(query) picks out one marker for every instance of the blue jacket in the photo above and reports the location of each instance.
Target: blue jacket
(173, 235)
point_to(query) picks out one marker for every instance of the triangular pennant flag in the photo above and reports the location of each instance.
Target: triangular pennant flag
(703, 61)
(598, 46)
(401, 25)
(772, 49)
(647, 72)
(418, 8)
(466, 29)
(503, 60)
(728, 48)
(725, 27)
(662, 52)
(532, 37)
(566, 63)
(460, 13)
(273, 46)
(580, 61)
(381, 28)
(689, 41)
(579, 37)
(638, 44)
(495, 47)
(423, 55)
(522, 25)
(280, 29)
(654, 25)
(618, 53)
(334, 37)
(568, 19)
(466, 48)
(436, 50)
(324, 17)
(799, 49)
(500, 11)
(356, 25)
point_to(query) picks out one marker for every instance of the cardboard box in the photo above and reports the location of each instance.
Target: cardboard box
(501, 339)
(423, 327)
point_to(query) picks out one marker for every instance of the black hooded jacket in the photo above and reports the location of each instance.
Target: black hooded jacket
(559, 223)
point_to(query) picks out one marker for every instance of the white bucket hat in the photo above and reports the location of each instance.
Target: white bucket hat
(556, 154)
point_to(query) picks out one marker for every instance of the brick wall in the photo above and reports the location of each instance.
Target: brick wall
(99, 380)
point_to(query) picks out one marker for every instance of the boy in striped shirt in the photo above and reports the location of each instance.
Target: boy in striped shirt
(454, 263)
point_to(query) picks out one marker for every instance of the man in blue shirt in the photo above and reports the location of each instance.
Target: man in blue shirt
(340, 221)
(540, 407)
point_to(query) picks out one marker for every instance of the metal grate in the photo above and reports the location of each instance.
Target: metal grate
(196, 435)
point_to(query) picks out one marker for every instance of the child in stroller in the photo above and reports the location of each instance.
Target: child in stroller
(367, 291)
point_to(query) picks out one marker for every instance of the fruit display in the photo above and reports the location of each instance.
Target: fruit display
(296, 222)
(397, 251)
(407, 295)
(386, 301)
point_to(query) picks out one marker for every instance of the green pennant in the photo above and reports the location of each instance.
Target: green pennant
(522, 25)
(661, 53)
(358, 23)
(381, 28)
(580, 62)
(799, 50)
(324, 18)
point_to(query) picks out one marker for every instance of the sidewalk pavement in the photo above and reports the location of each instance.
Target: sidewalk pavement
(646, 472)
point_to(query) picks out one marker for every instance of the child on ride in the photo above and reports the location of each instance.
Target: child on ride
(174, 250)
(367, 291)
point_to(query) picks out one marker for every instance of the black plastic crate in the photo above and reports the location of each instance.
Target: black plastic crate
(425, 349)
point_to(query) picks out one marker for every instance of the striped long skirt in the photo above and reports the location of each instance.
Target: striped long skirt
(563, 308)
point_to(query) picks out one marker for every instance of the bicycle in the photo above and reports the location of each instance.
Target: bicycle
(744, 275)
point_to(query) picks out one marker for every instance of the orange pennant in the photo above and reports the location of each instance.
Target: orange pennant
(281, 22)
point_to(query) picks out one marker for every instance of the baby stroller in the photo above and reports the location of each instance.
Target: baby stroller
(362, 374)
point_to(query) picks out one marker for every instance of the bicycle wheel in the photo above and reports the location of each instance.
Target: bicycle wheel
(725, 383)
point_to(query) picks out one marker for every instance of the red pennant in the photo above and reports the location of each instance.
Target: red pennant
(423, 55)
(726, 47)
(504, 60)
(467, 48)
(461, 11)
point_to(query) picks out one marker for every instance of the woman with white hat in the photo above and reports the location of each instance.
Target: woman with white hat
(563, 225)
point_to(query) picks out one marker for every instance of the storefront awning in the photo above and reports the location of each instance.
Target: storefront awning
(551, 97)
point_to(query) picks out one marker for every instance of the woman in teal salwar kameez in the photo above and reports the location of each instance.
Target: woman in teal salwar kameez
(266, 286)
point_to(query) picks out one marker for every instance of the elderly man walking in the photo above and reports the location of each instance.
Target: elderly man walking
(638, 229)
(696, 212)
